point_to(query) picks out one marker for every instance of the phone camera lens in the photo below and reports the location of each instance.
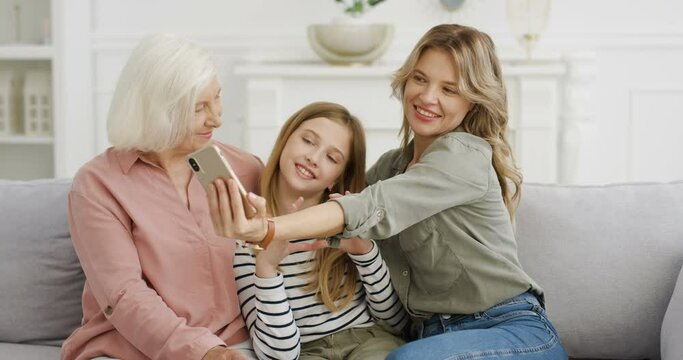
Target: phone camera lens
(193, 164)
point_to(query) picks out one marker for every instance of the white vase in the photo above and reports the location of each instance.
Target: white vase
(350, 43)
(527, 20)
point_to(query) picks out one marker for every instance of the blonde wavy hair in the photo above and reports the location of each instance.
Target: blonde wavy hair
(480, 81)
(334, 275)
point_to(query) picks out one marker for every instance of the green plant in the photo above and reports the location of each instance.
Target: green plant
(356, 8)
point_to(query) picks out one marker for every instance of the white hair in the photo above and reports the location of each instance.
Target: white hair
(152, 109)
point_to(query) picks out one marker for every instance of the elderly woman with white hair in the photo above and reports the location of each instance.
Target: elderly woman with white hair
(159, 281)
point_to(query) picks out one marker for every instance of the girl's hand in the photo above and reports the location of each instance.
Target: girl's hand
(223, 353)
(294, 207)
(227, 213)
(269, 259)
(356, 246)
(338, 195)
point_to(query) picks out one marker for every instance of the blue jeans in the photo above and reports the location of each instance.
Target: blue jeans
(517, 328)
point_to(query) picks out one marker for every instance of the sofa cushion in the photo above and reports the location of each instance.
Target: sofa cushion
(672, 327)
(28, 352)
(40, 276)
(607, 258)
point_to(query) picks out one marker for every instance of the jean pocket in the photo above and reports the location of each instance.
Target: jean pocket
(521, 313)
(512, 309)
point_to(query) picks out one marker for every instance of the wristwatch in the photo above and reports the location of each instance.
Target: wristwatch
(270, 234)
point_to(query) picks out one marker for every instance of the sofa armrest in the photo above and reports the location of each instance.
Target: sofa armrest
(41, 280)
(672, 326)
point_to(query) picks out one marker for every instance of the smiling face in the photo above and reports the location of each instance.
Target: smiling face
(314, 157)
(431, 102)
(207, 117)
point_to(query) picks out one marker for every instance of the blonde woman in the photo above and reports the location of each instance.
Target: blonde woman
(443, 205)
(321, 304)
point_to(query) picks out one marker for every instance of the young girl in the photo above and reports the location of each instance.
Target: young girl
(444, 202)
(320, 304)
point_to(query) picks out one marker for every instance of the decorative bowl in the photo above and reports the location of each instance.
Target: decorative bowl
(350, 44)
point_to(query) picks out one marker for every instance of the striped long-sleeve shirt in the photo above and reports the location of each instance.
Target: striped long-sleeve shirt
(280, 315)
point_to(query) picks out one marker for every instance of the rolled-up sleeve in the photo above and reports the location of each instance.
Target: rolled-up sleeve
(449, 173)
(109, 258)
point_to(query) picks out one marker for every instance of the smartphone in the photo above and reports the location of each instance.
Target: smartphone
(209, 164)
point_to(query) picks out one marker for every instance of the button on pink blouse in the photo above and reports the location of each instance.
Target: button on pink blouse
(159, 282)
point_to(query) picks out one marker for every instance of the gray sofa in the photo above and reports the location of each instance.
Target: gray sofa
(608, 257)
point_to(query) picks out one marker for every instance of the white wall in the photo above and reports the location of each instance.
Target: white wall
(623, 121)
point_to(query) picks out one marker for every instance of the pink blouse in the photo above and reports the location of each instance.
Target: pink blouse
(159, 281)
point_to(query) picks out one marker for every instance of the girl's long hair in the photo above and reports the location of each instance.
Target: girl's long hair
(334, 274)
(480, 81)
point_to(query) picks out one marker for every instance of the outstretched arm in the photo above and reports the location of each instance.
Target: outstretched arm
(450, 173)
(227, 213)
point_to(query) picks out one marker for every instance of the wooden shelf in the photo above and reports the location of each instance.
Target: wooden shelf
(315, 70)
(323, 70)
(26, 140)
(26, 52)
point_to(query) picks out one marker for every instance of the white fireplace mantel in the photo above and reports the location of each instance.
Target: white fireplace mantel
(276, 90)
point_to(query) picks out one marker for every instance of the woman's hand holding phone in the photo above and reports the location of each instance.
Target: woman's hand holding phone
(209, 164)
(229, 220)
(227, 212)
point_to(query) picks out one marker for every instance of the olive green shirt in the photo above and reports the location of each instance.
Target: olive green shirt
(449, 241)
